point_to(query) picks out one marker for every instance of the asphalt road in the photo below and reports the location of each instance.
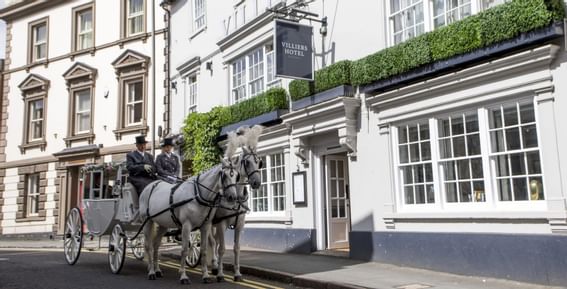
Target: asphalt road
(46, 268)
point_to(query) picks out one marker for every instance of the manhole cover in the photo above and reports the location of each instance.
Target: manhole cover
(413, 286)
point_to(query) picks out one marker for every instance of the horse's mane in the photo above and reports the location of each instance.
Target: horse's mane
(252, 135)
(235, 140)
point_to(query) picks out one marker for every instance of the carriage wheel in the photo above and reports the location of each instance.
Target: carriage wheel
(116, 249)
(194, 252)
(73, 236)
(137, 246)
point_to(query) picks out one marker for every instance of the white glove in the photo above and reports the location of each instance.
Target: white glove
(148, 168)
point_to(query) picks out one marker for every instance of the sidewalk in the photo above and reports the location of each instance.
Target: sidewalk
(316, 271)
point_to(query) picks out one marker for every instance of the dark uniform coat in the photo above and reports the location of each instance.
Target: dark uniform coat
(137, 174)
(167, 165)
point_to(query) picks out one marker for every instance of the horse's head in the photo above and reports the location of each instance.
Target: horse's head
(229, 178)
(250, 166)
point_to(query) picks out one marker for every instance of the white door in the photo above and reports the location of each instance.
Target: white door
(338, 211)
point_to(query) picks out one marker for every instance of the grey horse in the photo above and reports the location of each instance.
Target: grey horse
(190, 205)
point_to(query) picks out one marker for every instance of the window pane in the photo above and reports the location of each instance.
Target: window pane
(445, 148)
(457, 126)
(423, 131)
(451, 191)
(505, 192)
(533, 163)
(473, 144)
(536, 189)
(402, 135)
(408, 175)
(497, 141)
(529, 136)
(413, 135)
(510, 116)
(517, 164)
(418, 174)
(465, 190)
(444, 128)
(527, 114)
(472, 123)
(476, 168)
(459, 148)
(430, 194)
(463, 169)
(408, 192)
(520, 189)
(425, 151)
(501, 163)
(513, 139)
(83, 100)
(478, 188)
(40, 33)
(404, 154)
(428, 173)
(414, 152)
(449, 171)
(419, 194)
(496, 119)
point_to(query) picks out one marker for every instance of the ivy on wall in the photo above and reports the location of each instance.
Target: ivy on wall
(201, 130)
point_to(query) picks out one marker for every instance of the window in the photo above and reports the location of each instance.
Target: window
(479, 157)
(84, 28)
(34, 91)
(199, 12)
(515, 153)
(35, 121)
(134, 102)
(38, 40)
(253, 74)
(193, 91)
(82, 111)
(271, 196)
(134, 17)
(448, 11)
(406, 19)
(132, 70)
(410, 18)
(32, 195)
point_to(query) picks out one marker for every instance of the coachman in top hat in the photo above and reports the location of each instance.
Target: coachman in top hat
(167, 163)
(140, 164)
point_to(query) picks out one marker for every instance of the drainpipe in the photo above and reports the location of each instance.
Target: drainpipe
(153, 77)
(165, 5)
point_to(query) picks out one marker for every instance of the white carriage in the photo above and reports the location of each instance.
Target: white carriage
(109, 206)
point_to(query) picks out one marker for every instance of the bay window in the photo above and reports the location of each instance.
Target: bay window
(271, 196)
(485, 156)
(253, 74)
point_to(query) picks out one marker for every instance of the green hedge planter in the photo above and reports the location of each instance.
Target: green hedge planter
(326, 78)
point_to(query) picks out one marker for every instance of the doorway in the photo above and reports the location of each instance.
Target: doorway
(337, 201)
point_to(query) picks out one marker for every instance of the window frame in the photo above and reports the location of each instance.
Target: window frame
(29, 196)
(197, 17)
(76, 29)
(247, 64)
(126, 17)
(128, 103)
(76, 112)
(268, 183)
(33, 88)
(192, 91)
(476, 6)
(492, 202)
(32, 26)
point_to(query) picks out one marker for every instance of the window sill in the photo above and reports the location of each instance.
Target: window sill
(459, 216)
(197, 32)
(31, 65)
(141, 36)
(250, 218)
(141, 129)
(79, 137)
(35, 144)
(76, 53)
(30, 219)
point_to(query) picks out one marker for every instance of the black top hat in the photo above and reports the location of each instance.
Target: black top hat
(141, 139)
(167, 142)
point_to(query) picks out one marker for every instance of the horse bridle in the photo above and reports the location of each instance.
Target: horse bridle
(244, 161)
(232, 172)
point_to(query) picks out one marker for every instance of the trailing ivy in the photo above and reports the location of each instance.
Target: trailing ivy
(201, 130)
(326, 78)
(494, 25)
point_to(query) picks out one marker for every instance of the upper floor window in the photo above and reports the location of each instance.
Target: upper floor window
(253, 73)
(410, 18)
(131, 68)
(271, 196)
(80, 79)
(38, 40)
(82, 114)
(134, 18)
(199, 14)
(32, 195)
(83, 27)
(483, 157)
(34, 90)
(193, 92)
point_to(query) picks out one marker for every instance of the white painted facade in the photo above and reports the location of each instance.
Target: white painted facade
(371, 122)
(59, 193)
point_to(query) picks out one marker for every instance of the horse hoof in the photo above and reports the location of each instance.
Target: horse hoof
(220, 279)
(238, 279)
(207, 280)
(159, 274)
(215, 271)
(185, 281)
(151, 276)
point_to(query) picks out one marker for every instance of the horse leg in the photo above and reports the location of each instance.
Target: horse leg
(221, 228)
(148, 230)
(213, 244)
(185, 232)
(236, 248)
(157, 242)
(205, 230)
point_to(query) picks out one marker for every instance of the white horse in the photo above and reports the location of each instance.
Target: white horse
(235, 218)
(190, 205)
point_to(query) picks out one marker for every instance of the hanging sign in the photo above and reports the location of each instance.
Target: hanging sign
(293, 46)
